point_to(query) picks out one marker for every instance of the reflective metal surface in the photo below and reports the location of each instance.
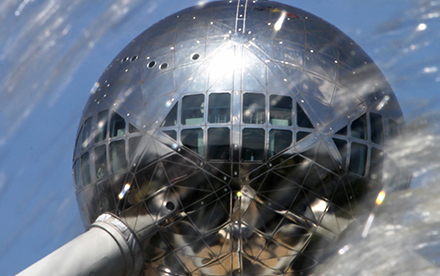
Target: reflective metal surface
(237, 138)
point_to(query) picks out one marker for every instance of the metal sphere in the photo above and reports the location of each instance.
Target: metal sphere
(237, 138)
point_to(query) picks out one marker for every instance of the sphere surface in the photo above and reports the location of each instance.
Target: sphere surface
(235, 138)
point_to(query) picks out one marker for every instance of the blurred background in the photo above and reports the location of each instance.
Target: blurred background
(53, 51)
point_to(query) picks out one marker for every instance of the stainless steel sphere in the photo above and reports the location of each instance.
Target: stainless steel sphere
(236, 138)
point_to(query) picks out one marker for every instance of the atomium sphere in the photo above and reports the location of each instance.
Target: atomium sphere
(236, 138)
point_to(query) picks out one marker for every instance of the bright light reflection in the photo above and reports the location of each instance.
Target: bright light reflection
(124, 191)
(280, 21)
(380, 198)
(421, 27)
(224, 63)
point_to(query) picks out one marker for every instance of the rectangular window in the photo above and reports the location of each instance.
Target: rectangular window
(171, 119)
(171, 133)
(280, 110)
(358, 158)
(193, 108)
(101, 162)
(77, 169)
(78, 141)
(118, 162)
(359, 128)
(86, 134)
(219, 108)
(254, 108)
(376, 128)
(101, 126)
(193, 139)
(117, 126)
(279, 140)
(218, 143)
(85, 169)
(252, 144)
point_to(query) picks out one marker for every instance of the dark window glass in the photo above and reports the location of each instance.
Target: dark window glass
(132, 146)
(101, 170)
(77, 172)
(193, 139)
(218, 143)
(85, 169)
(101, 126)
(279, 140)
(342, 148)
(359, 128)
(280, 110)
(78, 141)
(117, 126)
(193, 108)
(253, 109)
(171, 133)
(301, 118)
(376, 128)
(133, 129)
(394, 128)
(358, 158)
(252, 144)
(85, 143)
(171, 119)
(376, 167)
(118, 161)
(219, 108)
(301, 135)
(342, 131)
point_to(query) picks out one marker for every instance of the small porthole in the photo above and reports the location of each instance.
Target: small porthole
(170, 205)
(151, 64)
(163, 66)
(195, 56)
(125, 59)
(133, 58)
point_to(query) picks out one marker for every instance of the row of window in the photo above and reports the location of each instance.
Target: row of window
(115, 142)
(219, 110)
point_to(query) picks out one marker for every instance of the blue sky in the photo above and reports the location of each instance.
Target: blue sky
(53, 51)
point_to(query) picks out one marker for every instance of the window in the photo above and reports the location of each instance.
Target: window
(117, 126)
(253, 108)
(171, 119)
(280, 110)
(301, 135)
(132, 129)
(342, 148)
(86, 134)
(101, 126)
(118, 161)
(359, 128)
(85, 169)
(219, 108)
(193, 139)
(301, 118)
(77, 169)
(376, 128)
(358, 158)
(218, 143)
(101, 162)
(193, 108)
(252, 144)
(279, 140)
(171, 133)
(78, 141)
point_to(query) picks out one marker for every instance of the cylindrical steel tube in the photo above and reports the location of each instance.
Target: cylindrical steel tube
(108, 248)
